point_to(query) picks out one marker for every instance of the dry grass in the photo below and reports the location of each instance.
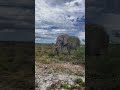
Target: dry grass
(15, 60)
(44, 53)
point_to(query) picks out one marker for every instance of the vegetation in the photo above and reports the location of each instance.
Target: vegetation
(15, 60)
(45, 53)
(105, 68)
(72, 39)
(78, 84)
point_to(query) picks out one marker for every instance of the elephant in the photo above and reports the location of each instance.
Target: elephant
(97, 40)
(70, 42)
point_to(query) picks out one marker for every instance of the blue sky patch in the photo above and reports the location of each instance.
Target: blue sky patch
(55, 17)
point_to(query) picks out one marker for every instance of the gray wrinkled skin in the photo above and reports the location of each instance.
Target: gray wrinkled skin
(66, 41)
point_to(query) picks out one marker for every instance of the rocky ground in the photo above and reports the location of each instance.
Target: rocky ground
(59, 76)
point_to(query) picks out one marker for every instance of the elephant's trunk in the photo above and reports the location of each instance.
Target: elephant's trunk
(56, 49)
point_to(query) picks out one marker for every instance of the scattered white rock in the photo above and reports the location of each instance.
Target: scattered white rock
(44, 79)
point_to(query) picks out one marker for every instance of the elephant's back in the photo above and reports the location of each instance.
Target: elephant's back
(74, 42)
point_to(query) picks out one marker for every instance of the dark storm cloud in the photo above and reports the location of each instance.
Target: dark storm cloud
(105, 13)
(16, 36)
(15, 25)
(16, 13)
(95, 9)
(15, 3)
(16, 20)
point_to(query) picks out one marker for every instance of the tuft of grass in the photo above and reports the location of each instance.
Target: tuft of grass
(80, 82)
(79, 55)
(51, 54)
(65, 86)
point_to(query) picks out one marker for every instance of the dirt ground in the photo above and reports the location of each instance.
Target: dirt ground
(48, 74)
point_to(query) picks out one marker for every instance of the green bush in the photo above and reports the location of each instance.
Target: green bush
(80, 82)
(61, 57)
(65, 86)
(51, 54)
(79, 55)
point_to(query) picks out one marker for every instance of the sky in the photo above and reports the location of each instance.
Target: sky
(17, 20)
(105, 13)
(55, 17)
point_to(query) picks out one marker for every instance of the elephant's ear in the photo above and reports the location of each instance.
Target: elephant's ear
(66, 39)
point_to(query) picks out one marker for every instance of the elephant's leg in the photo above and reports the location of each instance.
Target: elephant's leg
(68, 49)
(57, 51)
(61, 49)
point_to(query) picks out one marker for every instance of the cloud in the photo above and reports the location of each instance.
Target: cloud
(17, 20)
(105, 13)
(55, 17)
(57, 2)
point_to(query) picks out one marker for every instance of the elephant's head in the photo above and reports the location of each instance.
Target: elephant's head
(62, 40)
(65, 39)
